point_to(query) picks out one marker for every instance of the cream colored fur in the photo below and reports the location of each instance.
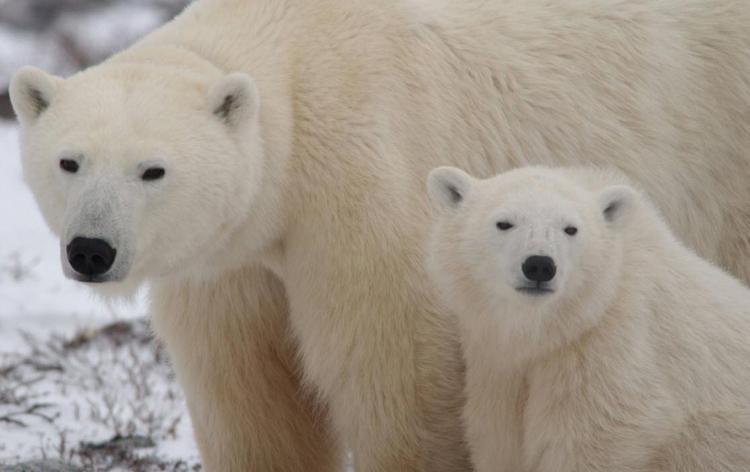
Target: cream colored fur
(638, 361)
(320, 183)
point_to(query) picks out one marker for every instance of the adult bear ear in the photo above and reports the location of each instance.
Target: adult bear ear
(448, 187)
(234, 99)
(616, 202)
(31, 92)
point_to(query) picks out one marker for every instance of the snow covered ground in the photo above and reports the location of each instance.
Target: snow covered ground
(85, 383)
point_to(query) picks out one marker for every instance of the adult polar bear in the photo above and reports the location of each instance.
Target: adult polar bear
(294, 202)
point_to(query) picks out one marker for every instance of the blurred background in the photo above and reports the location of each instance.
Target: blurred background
(83, 385)
(64, 36)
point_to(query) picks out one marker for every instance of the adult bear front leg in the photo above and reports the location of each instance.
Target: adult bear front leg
(386, 363)
(229, 343)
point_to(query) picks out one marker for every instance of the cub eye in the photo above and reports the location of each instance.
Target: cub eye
(69, 165)
(571, 230)
(504, 225)
(153, 173)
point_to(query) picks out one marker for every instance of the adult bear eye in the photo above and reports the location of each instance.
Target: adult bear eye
(153, 173)
(504, 225)
(571, 230)
(69, 165)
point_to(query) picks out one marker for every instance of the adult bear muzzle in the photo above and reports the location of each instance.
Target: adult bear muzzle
(90, 256)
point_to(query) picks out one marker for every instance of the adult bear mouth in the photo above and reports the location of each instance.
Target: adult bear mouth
(90, 279)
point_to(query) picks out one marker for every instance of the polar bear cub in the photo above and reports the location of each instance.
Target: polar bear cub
(594, 340)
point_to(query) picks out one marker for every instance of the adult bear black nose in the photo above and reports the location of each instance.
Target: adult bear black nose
(539, 268)
(90, 257)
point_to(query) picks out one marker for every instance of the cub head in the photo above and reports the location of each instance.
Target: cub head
(141, 171)
(526, 245)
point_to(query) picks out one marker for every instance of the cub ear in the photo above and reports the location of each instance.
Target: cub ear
(31, 92)
(234, 99)
(448, 187)
(616, 202)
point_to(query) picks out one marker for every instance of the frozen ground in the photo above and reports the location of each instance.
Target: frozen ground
(80, 380)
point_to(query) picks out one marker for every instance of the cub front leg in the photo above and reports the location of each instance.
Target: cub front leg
(228, 341)
(494, 405)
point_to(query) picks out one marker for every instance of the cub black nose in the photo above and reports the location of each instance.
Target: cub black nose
(539, 268)
(90, 257)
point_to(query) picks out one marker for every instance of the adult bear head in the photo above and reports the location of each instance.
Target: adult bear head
(142, 171)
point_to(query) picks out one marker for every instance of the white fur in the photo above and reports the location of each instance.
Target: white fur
(356, 101)
(638, 358)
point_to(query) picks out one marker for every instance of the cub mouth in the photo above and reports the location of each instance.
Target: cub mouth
(535, 290)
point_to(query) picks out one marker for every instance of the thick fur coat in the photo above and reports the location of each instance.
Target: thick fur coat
(285, 242)
(632, 355)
